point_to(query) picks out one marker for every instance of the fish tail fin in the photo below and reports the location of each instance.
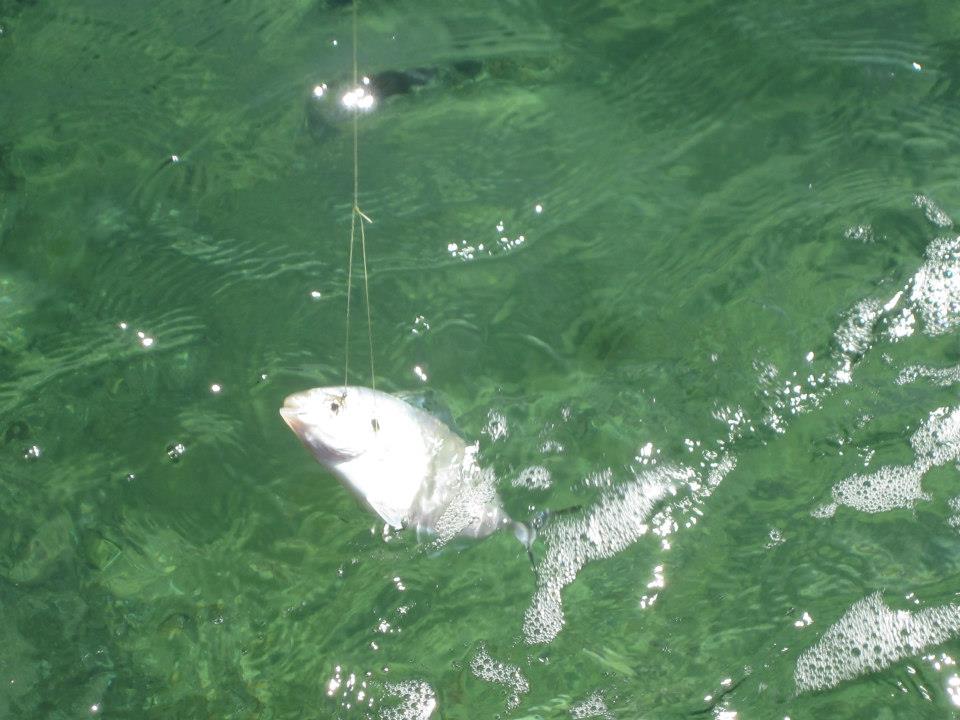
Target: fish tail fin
(526, 534)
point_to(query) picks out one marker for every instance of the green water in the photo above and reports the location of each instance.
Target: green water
(729, 194)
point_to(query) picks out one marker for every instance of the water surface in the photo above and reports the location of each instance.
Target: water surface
(690, 266)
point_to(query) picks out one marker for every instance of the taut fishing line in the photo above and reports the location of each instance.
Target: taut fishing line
(355, 214)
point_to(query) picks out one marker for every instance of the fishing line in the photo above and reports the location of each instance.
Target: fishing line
(355, 213)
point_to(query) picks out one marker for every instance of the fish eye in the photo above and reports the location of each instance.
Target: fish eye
(337, 403)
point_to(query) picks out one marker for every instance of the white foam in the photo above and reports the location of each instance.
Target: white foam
(930, 297)
(938, 376)
(954, 520)
(933, 212)
(901, 325)
(496, 425)
(494, 671)
(855, 334)
(475, 495)
(417, 701)
(870, 637)
(863, 233)
(592, 707)
(935, 443)
(887, 489)
(935, 288)
(617, 521)
(929, 300)
(535, 477)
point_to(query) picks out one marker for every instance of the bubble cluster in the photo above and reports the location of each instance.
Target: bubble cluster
(617, 521)
(935, 443)
(901, 325)
(870, 637)
(494, 671)
(593, 707)
(496, 425)
(417, 701)
(535, 477)
(935, 288)
(551, 447)
(475, 498)
(938, 376)
(175, 451)
(933, 212)
(776, 538)
(863, 233)
(796, 392)
(854, 336)
(954, 520)
(887, 489)
(930, 299)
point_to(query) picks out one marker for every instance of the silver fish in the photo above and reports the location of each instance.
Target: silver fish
(400, 462)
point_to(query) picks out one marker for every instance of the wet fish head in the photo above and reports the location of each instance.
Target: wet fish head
(336, 424)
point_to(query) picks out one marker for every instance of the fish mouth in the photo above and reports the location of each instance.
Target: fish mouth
(324, 453)
(292, 415)
(291, 402)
